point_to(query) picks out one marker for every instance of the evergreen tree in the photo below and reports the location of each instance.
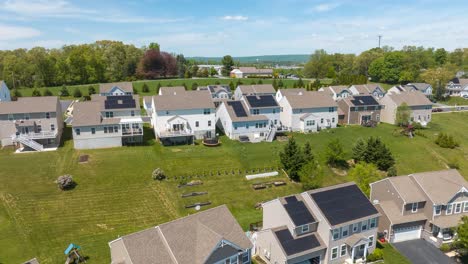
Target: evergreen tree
(194, 86)
(91, 90)
(227, 63)
(378, 153)
(359, 150)
(36, 93)
(260, 81)
(280, 84)
(16, 93)
(77, 93)
(231, 85)
(335, 153)
(47, 92)
(64, 91)
(308, 155)
(300, 83)
(275, 84)
(145, 88)
(292, 159)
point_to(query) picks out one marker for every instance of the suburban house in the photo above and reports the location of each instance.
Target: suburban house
(419, 104)
(238, 123)
(359, 110)
(218, 93)
(120, 88)
(422, 205)
(107, 121)
(209, 237)
(208, 67)
(263, 105)
(337, 92)
(335, 224)
(283, 92)
(4, 92)
(245, 72)
(457, 87)
(367, 89)
(424, 88)
(31, 123)
(180, 116)
(307, 111)
(257, 89)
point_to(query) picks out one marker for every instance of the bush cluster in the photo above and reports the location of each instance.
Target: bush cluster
(376, 255)
(446, 141)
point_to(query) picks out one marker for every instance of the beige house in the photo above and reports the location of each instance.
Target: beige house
(359, 110)
(31, 123)
(120, 88)
(337, 92)
(245, 72)
(420, 105)
(335, 224)
(367, 89)
(209, 237)
(421, 205)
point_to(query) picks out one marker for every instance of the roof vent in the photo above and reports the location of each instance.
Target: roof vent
(300, 93)
(375, 201)
(175, 93)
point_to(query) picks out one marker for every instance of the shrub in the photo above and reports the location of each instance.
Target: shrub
(36, 93)
(65, 182)
(445, 248)
(47, 92)
(158, 174)
(91, 90)
(454, 164)
(145, 88)
(376, 255)
(64, 91)
(392, 171)
(77, 93)
(446, 141)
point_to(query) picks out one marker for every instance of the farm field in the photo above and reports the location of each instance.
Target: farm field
(115, 194)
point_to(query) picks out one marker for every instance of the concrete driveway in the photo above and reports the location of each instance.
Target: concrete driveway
(421, 252)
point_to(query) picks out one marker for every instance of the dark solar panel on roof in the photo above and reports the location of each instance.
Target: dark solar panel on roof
(364, 100)
(298, 211)
(238, 108)
(261, 100)
(293, 246)
(119, 102)
(343, 204)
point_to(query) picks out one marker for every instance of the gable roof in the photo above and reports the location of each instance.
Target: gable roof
(185, 100)
(410, 98)
(31, 105)
(214, 89)
(297, 210)
(190, 239)
(440, 186)
(124, 86)
(420, 86)
(116, 103)
(360, 100)
(362, 89)
(292, 91)
(171, 90)
(337, 89)
(343, 203)
(257, 89)
(89, 114)
(407, 189)
(294, 246)
(310, 100)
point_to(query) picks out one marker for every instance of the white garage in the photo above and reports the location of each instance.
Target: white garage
(406, 233)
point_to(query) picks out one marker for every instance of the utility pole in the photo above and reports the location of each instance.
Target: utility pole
(380, 37)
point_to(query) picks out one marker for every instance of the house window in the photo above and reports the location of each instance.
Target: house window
(197, 124)
(274, 111)
(344, 231)
(132, 113)
(305, 228)
(310, 122)
(281, 109)
(206, 111)
(27, 116)
(105, 130)
(109, 114)
(167, 112)
(331, 109)
(209, 123)
(111, 130)
(465, 207)
(245, 257)
(321, 121)
(377, 116)
(47, 115)
(437, 209)
(77, 131)
(276, 121)
(116, 129)
(10, 117)
(343, 250)
(364, 225)
(93, 130)
(371, 241)
(458, 208)
(52, 127)
(247, 126)
(414, 207)
(334, 253)
(235, 127)
(355, 227)
(373, 223)
(256, 125)
(336, 234)
(333, 120)
(256, 111)
(449, 210)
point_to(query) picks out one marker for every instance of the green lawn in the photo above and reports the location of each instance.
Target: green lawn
(391, 255)
(115, 194)
(455, 100)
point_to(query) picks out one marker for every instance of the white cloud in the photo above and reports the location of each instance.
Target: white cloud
(236, 18)
(44, 8)
(17, 32)
(325, 7)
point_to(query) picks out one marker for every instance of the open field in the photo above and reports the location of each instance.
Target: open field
(115, 194)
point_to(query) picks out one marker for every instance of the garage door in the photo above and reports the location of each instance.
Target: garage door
(406, 233)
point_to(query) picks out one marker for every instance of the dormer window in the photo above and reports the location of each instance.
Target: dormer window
(336, 234)
(449, 209)
(437, 209)
(305, 229)
(373, 223)
(414, 207)
(344, 231)
(256, 111)
(364, 225)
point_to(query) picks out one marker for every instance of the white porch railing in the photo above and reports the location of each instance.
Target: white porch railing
(176, 133)
(39, 135)
(132, 131)
(28, 142)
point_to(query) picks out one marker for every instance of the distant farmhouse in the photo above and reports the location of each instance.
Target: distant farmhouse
(244, 72)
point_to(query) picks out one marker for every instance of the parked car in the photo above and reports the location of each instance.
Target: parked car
(436, 110)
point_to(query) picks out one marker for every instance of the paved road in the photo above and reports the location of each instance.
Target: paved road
(421, 252)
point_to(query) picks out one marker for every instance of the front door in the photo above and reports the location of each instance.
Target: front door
(366, 118)
(359, 251)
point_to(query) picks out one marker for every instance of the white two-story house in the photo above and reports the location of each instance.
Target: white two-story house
(258, 89)
(305, 111)
(4, 92)
(337, 92)
(180, 116)
(335, 224)
(457, 87)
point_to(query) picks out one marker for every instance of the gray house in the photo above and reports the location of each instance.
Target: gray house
(335, 224)
(209, 237)
(120, 88)
(31, 123)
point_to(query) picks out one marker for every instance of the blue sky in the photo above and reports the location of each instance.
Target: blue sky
(239, 28)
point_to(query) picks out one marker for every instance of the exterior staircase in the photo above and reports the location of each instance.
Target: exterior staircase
(271, 134)
(28, 142)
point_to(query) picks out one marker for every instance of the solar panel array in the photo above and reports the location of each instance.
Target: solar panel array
(297, 211)
(119, 102)
(343, 204)
(238, 108)
(293, 246)
(261, 100)
(364, 100)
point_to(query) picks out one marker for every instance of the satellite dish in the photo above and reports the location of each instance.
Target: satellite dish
(197, 208)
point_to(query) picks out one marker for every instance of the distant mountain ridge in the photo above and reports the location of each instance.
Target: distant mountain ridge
(269, 59)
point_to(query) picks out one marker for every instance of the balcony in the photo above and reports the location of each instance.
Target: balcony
(132, 131)
(175, 133)
(37, 135)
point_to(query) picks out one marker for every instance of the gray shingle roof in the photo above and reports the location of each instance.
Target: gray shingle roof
(31, 105)
(107, 87)
(310, 100)
(183, 100)
(257, 89)
(410, 98)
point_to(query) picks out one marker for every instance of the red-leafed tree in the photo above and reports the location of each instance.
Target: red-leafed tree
(155, 64)
(170, 64)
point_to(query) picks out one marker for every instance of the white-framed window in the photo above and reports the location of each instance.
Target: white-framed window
(458, 208)
(52, 127)
(305, 228)
(377, 116)
(93, 130)
(132, 113)
(77, 131)
(437, 209)
(343, 250)
(27, 116)
(206, 111)
(371, 241)
(256, 111)
(364, 225)
(235, 127)
(197, 124)
(449, 209)
(209, 123)
(414, 207)
(334, 253)
(10, 117)
(373, 223)
(465, 207)
(274, 111)
(355, 227)
(47, 115)
(321, 121)
(109, 114)
(331, 109)
(336, 234)
(333, 120)
(344, 231)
